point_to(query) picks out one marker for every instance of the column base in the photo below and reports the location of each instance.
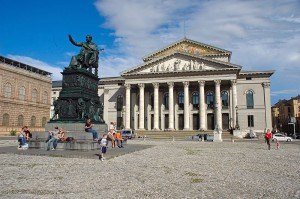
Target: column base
(170, 129)
(141, 129)
(186, 129)
(218, 136)
(156, 129)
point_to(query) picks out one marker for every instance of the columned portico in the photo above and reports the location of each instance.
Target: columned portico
(186, 106)
(202, 106)
(218, 105)
(127, 108)
(171, 105)
(141, 108)
(156, 110)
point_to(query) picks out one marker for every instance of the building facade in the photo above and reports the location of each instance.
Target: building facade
(286, 112)
(25, 93)
(187, 85)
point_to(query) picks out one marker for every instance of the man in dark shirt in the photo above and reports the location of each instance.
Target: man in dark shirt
(89, 128)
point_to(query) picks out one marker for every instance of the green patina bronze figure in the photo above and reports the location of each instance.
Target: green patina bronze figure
(88, 56)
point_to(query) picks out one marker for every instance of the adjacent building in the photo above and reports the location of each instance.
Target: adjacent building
(25, 93)
(285, 113)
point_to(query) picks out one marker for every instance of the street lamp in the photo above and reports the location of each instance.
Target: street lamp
(237, 119)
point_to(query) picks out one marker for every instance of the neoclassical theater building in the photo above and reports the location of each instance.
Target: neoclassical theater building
(187, 85)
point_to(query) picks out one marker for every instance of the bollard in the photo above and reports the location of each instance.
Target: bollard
(232, 139)
(173, 139)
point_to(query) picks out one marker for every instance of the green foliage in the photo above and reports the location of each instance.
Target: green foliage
(13, 133)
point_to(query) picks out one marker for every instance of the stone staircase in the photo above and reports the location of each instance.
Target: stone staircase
(177, 135)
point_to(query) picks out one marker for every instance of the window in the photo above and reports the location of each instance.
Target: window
(5, 121)
(22, 93)
(166, 101)
(210, 99)
(7, 90)
(34, 95)
(195, 100)
(225, 98)
(249, 98)
(250, 121)
(119, 103)
(45, 97)
(33, 119)
(44, 119)
(20, 120)
(181, 100)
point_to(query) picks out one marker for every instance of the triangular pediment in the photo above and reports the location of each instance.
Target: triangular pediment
(191, 47)
(178, 62)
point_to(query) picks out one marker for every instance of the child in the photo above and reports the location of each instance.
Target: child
(277, 144)
(103, 147)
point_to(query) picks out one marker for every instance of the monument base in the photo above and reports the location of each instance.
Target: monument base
(75, 127)
(218, 136)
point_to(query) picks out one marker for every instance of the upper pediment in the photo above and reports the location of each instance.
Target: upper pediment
(177, 62)
(191, 47)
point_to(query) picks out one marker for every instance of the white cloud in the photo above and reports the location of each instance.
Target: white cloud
(262, 35)
(56, 75)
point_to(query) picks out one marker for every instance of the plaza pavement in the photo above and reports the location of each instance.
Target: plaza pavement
(153, 169)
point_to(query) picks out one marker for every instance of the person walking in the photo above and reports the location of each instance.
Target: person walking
(268, 137)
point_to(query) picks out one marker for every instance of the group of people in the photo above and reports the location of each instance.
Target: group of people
(23, 137)
(112, 136)
(54, 137)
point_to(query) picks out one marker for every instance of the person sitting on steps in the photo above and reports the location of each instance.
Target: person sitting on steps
(89, 128)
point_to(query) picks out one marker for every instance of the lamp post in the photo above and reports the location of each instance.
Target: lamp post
(237, 119)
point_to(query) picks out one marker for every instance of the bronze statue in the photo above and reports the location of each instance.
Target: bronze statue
(88, 55)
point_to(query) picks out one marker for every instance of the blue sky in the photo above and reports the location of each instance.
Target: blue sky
(262, 35)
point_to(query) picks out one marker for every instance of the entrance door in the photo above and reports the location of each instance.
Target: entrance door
(152, 121)
(210, 121)
(180, 121)
(166, 121)
(225, 121)
(196, 121)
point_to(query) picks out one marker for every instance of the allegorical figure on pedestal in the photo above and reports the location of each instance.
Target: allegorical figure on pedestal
(88, 56)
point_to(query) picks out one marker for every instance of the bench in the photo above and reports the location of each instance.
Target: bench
(82, 141)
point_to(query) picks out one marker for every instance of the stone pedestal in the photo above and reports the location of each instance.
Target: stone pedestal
(218, 136)
(76, 127)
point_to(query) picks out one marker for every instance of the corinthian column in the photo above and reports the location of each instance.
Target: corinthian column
(186, 106)
(218, 105)
(171, 105)
(268, 118)
(127, 108)
(234, 102)
(202, 105)
(141, 108)
(156, 112)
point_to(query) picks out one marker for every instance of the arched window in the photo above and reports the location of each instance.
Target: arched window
(195, 100)
(7, 90)
(181, 99)
(20, 120)
(22, 93)
(119, 103)
(166, 101)
(5, 121)
(45, 97)
(44, 119)
(34, 95)
(249, 99)
(33, 119)
(210, 99)
(225, 98)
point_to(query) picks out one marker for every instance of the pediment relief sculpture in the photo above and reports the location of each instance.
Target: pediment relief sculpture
(179, 65)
